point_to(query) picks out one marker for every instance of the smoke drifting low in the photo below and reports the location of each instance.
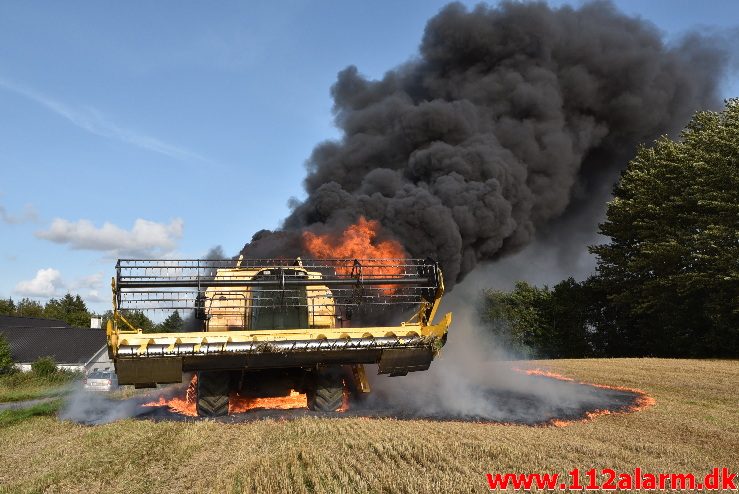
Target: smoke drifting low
(476, 379)
(509, 118)
(93, 408)
(87, 407)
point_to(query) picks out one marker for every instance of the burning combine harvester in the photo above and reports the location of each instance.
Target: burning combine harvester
(272, 327)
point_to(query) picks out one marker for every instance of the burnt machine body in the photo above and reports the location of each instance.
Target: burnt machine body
(256, 323)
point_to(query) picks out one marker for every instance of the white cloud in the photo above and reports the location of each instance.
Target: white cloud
(47, 283)
(94, 122)
(91, 281)
(88, 287)
(145, 239)
(28, 214)
(94, 296)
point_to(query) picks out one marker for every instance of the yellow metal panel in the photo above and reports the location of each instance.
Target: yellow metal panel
(360, 378)
(144, 339)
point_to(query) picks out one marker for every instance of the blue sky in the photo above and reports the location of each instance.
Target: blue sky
(166, 128)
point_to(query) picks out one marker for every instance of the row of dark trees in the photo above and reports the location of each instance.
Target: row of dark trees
(174, 323)
(70, 308)
(667, 283)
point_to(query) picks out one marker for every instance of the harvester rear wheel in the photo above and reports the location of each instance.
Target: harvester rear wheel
(213, 390)
(327, 393)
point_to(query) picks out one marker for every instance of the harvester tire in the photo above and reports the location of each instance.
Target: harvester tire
(327, 394)
(213, 390)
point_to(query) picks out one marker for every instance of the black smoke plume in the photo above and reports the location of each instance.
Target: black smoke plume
(509, 119)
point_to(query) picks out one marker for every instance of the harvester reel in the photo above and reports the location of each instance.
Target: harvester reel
(213, 388)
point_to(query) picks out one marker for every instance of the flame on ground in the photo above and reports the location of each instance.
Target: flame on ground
(642, 401)
(240, 404)
(186, 405)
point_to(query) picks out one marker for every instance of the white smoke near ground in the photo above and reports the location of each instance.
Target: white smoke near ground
(476, 377)
(94, 407)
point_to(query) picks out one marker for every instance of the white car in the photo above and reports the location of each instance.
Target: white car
(101, 381)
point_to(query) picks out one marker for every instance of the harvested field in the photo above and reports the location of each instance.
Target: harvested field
(516, 396)
(694, 426)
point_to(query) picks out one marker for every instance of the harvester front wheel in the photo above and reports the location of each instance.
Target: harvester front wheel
(213, 390)
(327, 393)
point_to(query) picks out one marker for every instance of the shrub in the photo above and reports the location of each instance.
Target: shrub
(44, 366)
(6, 359)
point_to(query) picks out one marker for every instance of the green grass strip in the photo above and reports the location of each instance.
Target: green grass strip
(11, 417)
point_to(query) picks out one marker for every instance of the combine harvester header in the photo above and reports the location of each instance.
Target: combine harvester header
(276, 324)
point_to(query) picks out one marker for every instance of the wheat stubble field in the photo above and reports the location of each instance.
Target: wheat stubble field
(693, 426)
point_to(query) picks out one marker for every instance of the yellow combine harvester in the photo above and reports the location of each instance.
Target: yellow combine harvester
(265, 327)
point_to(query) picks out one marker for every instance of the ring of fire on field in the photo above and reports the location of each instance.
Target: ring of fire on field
(294, 405)
(641, 401)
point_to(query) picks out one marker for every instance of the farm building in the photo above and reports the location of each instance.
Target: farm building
(76, 349)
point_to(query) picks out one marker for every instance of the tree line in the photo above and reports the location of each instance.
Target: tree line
(667, 282)
(174, 323)
(70, 308)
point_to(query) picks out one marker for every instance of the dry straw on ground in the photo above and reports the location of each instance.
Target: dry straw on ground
(693, 427)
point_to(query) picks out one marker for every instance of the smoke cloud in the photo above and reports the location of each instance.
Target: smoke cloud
(509, 119)
(93, 408)
(476, 379)
(87, 407)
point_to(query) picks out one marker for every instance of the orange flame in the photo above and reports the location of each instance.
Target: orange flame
(345, 400)
(642, 400)
(186, 405)
(358, 241)
(179, 404)
(239, 404)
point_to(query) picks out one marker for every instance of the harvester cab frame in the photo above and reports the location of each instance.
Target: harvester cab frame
(265, 327)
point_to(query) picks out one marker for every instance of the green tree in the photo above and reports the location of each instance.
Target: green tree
(519, 317)
(77, 313)
(29, 308)
(53, 309)
(6, 358)
(7, 307)
(139, 321)
(671, 270)
(107, 316)
(547, 322)
(70, 309)
(172, 324)
(570, 313)
(604, 334)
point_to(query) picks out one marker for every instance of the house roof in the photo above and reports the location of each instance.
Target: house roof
(30, 322)
(67, 345)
